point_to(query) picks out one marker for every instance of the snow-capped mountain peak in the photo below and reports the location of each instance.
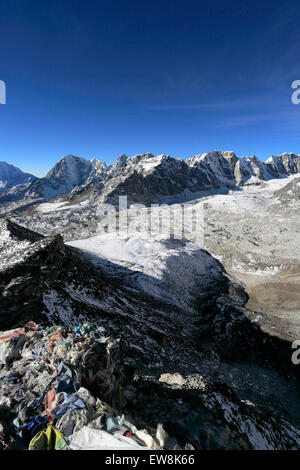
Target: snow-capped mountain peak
(98, 167)
(11, 176)
(70, 168)
(68, 173)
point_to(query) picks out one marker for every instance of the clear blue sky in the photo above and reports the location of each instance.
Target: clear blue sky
(102, 78)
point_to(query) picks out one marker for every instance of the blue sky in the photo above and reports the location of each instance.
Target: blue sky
(100, 78)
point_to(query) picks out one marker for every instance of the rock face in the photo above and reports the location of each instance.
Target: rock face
(216, 169)
(28, 263)
(11, 176)
(94, 172)
(251, 170)
(283, 165)
(69, 172)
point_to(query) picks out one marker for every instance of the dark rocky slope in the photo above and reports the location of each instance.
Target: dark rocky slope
(176, 353)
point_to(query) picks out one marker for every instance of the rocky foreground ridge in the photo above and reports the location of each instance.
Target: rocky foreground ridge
(174, 357)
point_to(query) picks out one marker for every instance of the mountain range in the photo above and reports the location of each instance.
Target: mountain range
(144, 178)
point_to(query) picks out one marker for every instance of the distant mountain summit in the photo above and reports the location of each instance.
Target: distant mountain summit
(11, 176)
(69, 172)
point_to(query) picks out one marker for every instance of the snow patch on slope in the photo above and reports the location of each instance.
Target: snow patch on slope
(165, 268)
